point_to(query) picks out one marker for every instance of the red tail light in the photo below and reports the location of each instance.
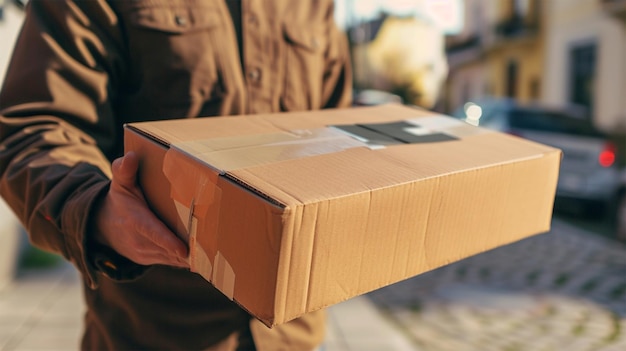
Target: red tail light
(607, 156)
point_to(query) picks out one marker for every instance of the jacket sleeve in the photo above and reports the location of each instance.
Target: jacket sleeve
(337, 84)
(57, 124)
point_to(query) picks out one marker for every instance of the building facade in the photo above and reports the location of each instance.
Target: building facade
(557, 52)
(499, 53)
(586, 58)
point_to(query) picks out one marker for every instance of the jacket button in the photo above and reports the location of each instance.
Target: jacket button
(180, 21)
(254, 74)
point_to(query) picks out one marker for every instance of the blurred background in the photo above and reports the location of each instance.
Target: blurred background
(552, 71)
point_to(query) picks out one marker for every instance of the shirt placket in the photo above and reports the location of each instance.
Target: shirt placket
(258, 65)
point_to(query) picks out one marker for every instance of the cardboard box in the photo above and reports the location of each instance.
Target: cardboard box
(290, 213)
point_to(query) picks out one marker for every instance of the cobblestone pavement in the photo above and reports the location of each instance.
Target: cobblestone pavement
(565, 290)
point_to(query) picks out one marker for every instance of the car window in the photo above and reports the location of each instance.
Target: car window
(549, 121)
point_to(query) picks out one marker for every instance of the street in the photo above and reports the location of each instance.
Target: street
(596, 224)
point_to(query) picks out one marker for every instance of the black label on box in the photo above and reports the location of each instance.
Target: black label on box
(394, 133)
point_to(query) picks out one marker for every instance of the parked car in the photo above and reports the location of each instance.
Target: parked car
(592, 169)
(620, 213)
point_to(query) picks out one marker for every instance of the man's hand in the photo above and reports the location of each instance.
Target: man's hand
(127, 225)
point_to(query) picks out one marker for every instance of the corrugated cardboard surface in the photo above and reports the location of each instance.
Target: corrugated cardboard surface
(286, 214)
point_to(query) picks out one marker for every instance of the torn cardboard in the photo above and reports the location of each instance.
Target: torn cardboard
(290, 213)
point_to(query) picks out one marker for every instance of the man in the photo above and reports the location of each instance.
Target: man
(80, 70)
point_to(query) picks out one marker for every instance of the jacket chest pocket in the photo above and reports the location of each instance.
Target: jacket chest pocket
(304, 67)
(173, 47)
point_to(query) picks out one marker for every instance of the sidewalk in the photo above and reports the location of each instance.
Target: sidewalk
(42, 310)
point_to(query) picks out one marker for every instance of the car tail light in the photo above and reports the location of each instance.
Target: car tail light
(607, 155)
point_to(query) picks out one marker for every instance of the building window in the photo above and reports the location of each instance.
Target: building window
(582, 59)
(535, 89)
(511, 79)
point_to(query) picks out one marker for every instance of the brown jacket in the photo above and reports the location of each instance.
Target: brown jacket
(81, 69)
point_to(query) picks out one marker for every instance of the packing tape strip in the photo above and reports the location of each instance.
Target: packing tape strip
(196, 196)
(224, 276)
(227, 154)
(219, 271)
(198, 258)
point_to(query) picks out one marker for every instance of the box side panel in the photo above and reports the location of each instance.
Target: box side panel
(363, 242)
(234, 235)
(249, 236)
(347, 246)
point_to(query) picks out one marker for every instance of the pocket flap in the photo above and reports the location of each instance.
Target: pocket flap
(306, 37)
(175, 20)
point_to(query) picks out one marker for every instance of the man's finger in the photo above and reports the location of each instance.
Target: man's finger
(171, 261)
(159, 234)
(150, 254)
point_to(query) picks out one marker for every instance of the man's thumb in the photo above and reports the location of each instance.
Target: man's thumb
(125, 170)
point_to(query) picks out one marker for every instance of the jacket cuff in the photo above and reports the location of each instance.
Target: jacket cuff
(113, 265)
(90, 258)
(75, 218)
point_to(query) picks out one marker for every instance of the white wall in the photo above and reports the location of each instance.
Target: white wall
(9, 29)
(610, 111)
(571, 22)
(568, 24)
(10, 234)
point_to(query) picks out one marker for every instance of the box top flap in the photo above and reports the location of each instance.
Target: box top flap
(302, 158)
